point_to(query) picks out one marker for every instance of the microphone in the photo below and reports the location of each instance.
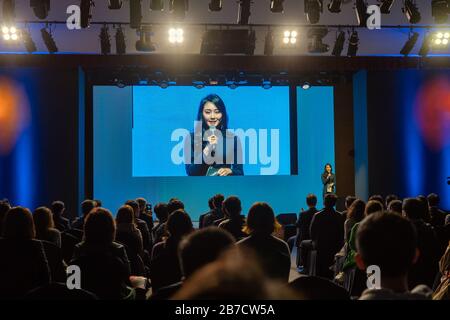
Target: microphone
(213, 147)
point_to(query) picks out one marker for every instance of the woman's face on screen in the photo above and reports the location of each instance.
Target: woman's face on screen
(211, 114)
(328, 168)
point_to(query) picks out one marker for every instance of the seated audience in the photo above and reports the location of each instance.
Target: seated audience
(355, 215)
(437, 216)
(389, 241)
(303, 226)
(315, 288)
(234, 222)
(273, 253)
(4, 208)
(162, 214)
(217, 213)
(348, 202)
(23, 263)
(201, 218)
(86, 207)
(442, 292)
(144, 213)
(58, 209)
(389, 199)
(147, 240)
(396, 206)
(44, 225)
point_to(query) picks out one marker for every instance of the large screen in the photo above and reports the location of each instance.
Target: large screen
(215, 131)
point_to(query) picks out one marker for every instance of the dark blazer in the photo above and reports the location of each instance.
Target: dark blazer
(147, 240)
(328, 183)
(165, 266)
(437, 216)
(61, 223)
(55, 260)
(303, 224)
(273, 254)
(214, 215)
(234, 226)
(23, 266)
(327, 233)
(193, 169)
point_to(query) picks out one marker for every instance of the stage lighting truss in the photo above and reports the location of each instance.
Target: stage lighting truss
(176, 36)
(47, 37)
(10, 33)
(339, 44)
(410, 43)
(315, 43)
(313, 9)
(290, 38)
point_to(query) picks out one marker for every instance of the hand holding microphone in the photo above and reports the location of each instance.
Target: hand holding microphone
(212, 142)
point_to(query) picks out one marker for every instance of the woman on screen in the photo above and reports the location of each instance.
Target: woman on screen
(328, 180)
(213, 150)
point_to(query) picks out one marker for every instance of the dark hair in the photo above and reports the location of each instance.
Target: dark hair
(211, 203)
(395, 206)
(43, 220)
(413, 208)
(141, 202)
(378, 198)
(87, 206)
(232, 205)
(325, 168)
(125, 214)
(18, 224)
(133, 204)
(218, 102)
(179, 224)
(349, 200)
(356, 210)
(373, 206)
(57, 207)
(388, 241)
(217, 200)
(173, 205)
(4, 208)
(202, 247)
(425, 209)
(389, 198)
(98, 203)
(99, 227)
(161, 212)
(330, 200)
(433, 200)
(261, 219)
(311, 200)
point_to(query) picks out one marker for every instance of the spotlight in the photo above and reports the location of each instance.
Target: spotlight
(121, 47)
(339, 44)
(86, 12)
(145, 42)
(9, 8)
(215, 5)
(426, 45)
(306, 86)
(290, 37)
(335, 6)
(315, 44)
(178, 8)
(409, 45)
(40, 8)
(28, 41)
(135, 14)
(198, 84)
(105, 42)
(313, 9)
(353, 43)
(157, 5)
(176, 35)
(269, 44)
(440, 10)
(411, 11)
(276, 6)
(440, 39)
(244, 11)
(47, 37)
(266, 84)
(115, 4)
(10, 33)
(385, 6)
(361, 12)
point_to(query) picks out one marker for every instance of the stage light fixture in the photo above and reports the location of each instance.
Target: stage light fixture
(10, 33)
(135, 14)
(385, 6)
(176, 35)
(266, 83)
(145, 41)
(269, 44)
(411, 11)
(313, 9)
(339, 44)
(105, 40)
(244, 11)
(121, 47)
(276, 6)
(178, 9)
(40, 8)
(9, 11)
(157, 5)
(440, 39)
(353, 44)
(86, 12)
(335, 6)
(28, 41)
(115, 4)
(361, 12)
(315, 43)
(306, 85)
(409, 45)
(426, 45)
(47, 37)
(290, 37)
(215, 5)
(440, 10)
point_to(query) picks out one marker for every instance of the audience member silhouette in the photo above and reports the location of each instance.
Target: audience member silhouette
(61, 223)
(216, 214)
(45, 227)
(234, 222)
(159, 231)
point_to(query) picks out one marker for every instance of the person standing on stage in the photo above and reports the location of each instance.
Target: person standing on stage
(328, 180)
